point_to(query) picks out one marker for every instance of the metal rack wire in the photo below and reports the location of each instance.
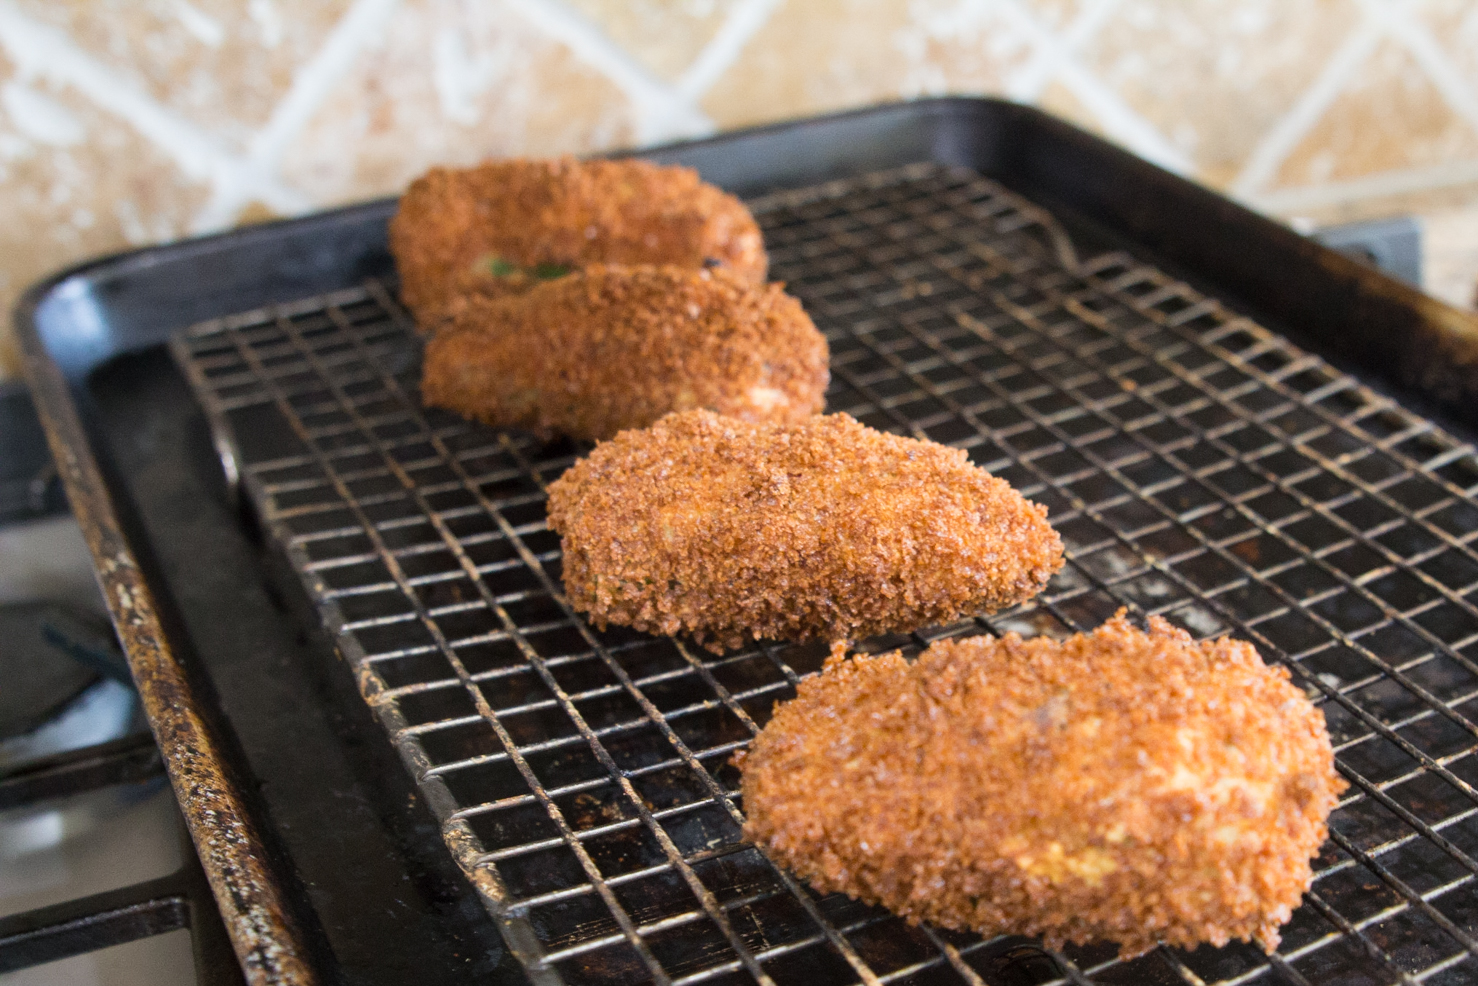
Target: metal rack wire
(1197, 466)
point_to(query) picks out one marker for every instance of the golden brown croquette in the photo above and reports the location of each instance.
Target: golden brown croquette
(615, 347)
(504, 226)
(727, 530)
(1117, 786)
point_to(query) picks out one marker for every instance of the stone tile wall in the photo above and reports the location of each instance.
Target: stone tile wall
(125, 122)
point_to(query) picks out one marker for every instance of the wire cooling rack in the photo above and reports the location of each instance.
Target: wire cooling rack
(1197, 465)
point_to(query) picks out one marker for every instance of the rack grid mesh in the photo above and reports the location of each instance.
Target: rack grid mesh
(1197, 465)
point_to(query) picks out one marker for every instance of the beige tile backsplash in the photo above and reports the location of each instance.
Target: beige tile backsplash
(125, 122)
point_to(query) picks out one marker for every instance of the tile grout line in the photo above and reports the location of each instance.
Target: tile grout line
(1028, 84)
(721, 51)
(1434, 63)
(1279, 142)
(1118, 117)
(42, 51)
(658, 111)
(312, 82)
(1399, 181)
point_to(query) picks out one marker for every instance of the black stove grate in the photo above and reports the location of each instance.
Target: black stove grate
(1197, 466)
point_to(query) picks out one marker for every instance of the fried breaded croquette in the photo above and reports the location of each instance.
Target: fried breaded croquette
(1118, 786)
(824, 528)
(616, 347)
(505, 226)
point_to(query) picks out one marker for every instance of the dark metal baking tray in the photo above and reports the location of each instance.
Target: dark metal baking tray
(336, 870)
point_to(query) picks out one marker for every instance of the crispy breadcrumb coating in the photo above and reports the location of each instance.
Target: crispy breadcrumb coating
(502, 227)
(616, 347)
(1118, 786)
(728, 530)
